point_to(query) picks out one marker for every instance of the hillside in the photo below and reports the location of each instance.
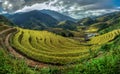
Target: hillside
(101, 24)
(67, 25)
(42, 52)
(4, 20)
(58, 16)
(33, 19)
(38, 19)
(44, 48)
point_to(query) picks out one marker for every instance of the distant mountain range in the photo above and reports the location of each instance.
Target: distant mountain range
(38, 19)
(41, 21)
(48, 20)
(58, 16)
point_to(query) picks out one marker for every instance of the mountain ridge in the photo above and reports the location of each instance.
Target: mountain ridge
(38, 19)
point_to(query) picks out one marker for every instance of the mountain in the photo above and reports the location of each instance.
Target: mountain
(102, 24)
(58, 16)
(38, 19)
(33, 19)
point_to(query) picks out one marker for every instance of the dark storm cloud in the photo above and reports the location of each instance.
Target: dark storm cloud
(31, 2)
(18, 4)
(68, 3)
(11, 5)
(96, 3)
(83, 8)
(81, 2)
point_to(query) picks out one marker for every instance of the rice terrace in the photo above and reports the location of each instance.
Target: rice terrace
(52, 42)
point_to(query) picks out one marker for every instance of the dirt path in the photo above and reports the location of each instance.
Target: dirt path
(6, 30)
(30, 62)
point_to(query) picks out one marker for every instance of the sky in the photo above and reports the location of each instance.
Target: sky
(75, 8)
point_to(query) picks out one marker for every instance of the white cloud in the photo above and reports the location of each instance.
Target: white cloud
(40, 6)
(74, 9)
(118, 7)
(89, 13)
(3, 12)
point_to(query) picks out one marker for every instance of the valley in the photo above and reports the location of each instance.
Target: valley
(84, 47)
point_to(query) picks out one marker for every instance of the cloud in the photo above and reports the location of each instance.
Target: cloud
(74, 8)
(118, 7)
(40, 6)
(12, 5)
(90, 13)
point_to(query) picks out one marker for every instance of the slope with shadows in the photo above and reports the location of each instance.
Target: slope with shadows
(54, 54)
(38, 19)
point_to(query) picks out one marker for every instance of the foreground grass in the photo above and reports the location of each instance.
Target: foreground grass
(11, 65)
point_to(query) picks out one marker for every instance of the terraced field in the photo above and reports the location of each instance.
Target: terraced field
(102, 39)
(48, 48)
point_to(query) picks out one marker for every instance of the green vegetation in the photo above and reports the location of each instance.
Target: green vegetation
(8, 65)
(24, 51)
(60, 31)
(67, 25)
(86, 21)
(107, 63)
(3, 20)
